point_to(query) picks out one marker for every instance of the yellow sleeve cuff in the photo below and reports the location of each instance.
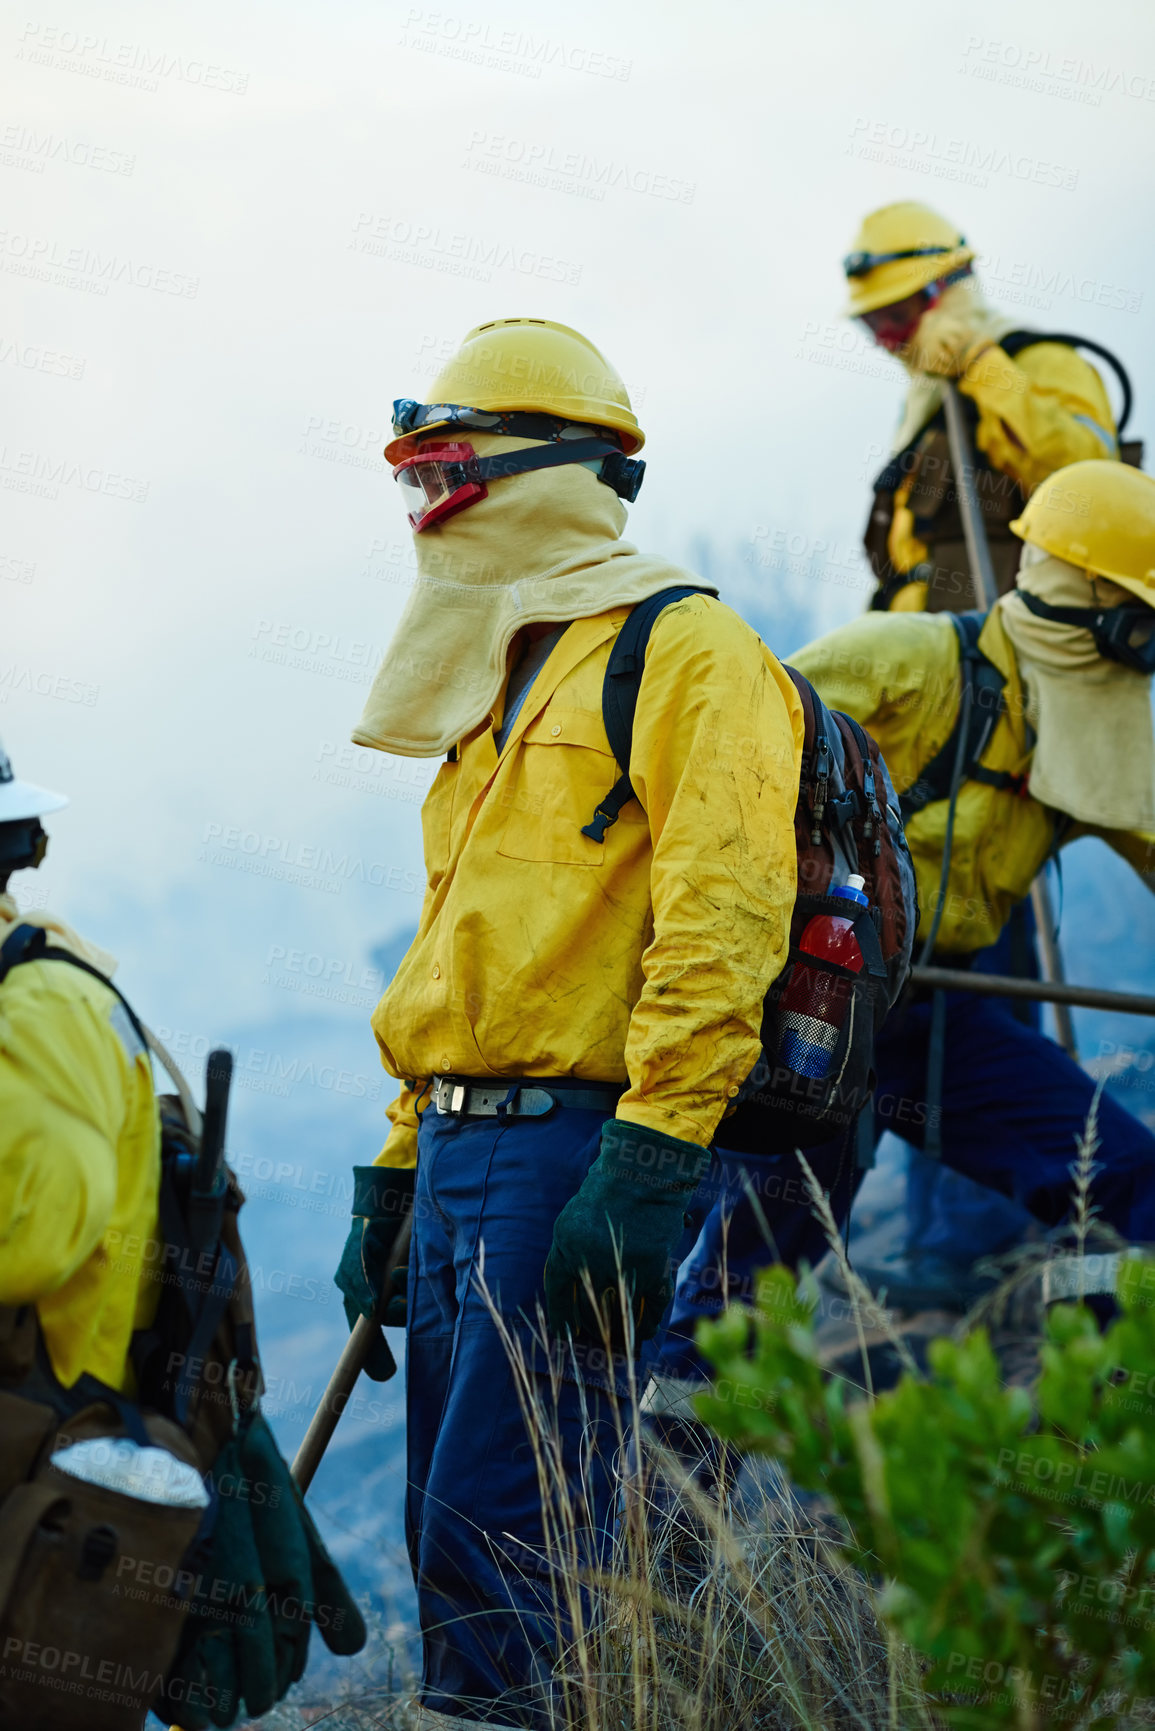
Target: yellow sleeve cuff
(399, 1151)
(634, 1111)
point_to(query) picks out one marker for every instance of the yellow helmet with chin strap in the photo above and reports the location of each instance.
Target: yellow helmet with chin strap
(1100, 516)
(898, 250)
(535, 366)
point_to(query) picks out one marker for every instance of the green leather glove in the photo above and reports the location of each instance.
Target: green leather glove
(629, 1212)
(226, 1658)
(268, 1580)
(304, 1584)
(382, 1202)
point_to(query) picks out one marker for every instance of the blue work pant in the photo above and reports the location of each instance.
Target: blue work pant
(750, 1210)
(948, 1216)
(1013, 1105)
(487, 1197)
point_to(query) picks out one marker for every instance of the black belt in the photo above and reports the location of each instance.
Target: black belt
(520, 1097)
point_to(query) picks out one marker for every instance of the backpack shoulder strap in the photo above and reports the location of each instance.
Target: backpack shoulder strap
(29, 943)
(986, 684)
(873, 822)
(620, 689)
(1015, 341)
(819, 727)
(625, 668)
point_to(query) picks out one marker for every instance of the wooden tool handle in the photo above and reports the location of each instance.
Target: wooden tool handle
(344, 1378)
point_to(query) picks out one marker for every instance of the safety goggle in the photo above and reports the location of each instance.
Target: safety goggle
(857, 264)
(439, 480)
(1123, 634)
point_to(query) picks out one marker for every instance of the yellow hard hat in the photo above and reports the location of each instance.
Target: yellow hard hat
(1099, 515)
(898, 250)
(535, 366)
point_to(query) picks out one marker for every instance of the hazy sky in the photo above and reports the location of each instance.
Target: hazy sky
(233, 233)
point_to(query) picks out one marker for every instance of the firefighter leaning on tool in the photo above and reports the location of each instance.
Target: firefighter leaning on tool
(83, 1267)
(1033, 404)
(575, 1012)
(1060, 716)
(1065, 749)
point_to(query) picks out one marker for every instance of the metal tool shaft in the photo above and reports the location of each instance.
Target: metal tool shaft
(1052, 962)
(974, 529)
(1038, 991)
(987, 593)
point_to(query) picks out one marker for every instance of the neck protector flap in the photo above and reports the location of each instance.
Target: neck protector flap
(543, 547)
(1095, 755)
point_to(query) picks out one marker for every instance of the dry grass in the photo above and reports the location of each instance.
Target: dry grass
(720, 1613)
(723, 1602)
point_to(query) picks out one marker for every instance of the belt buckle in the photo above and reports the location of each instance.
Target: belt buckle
(456, 1092)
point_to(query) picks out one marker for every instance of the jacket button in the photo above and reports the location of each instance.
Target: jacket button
(445, 1064)
(733, 1090)
(436, 971)
(555, 731)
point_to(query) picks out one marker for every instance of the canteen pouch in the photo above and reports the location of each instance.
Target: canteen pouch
(94, 1587)
(778, 1107)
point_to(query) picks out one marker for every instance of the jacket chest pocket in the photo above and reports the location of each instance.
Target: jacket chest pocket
(562, 768)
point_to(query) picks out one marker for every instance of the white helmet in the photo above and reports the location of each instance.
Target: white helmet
(20, 799)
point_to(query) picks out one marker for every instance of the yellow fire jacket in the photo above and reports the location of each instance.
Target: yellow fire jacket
(898, 674)
(79, 1161)
(645, 959)
(1036, 413)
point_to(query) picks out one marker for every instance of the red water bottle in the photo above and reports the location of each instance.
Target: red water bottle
(813, 1007)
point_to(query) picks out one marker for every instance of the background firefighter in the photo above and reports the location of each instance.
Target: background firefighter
(1034, 405)
(1031, 403)
(117, 1445)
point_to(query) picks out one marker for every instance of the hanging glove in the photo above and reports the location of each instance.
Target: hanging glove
(629, 1213)
(226, 1658)
(382, 1202)
(303, 1583)
(269, 1578)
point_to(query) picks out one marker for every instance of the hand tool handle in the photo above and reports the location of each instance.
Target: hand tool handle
(218, 1079)
(349, 1367)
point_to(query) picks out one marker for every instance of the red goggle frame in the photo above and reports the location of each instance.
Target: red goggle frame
(438, 481)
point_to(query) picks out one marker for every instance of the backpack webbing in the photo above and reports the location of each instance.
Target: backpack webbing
(985, 682)
(620, 688)
(29, 943)
(1014, 342)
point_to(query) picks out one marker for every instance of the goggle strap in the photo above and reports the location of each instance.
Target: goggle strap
(623, 474)
(862, 263)
(1109, 627)
(542, 457)
(1085, 617)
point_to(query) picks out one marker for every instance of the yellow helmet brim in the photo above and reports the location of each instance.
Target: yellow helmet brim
(891, 282)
